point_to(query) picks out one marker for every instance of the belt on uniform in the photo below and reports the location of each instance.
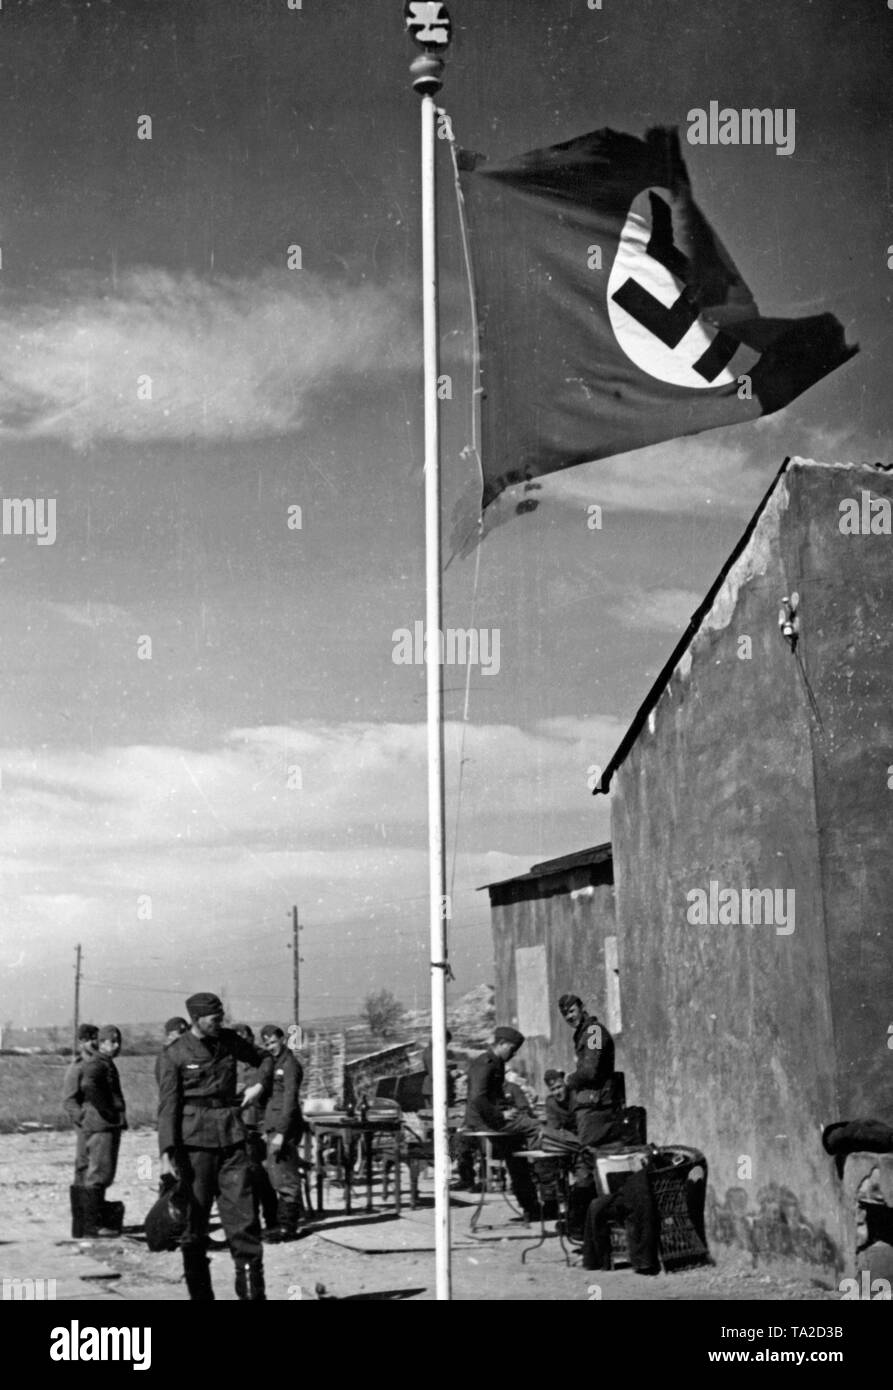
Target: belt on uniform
(208, 1103)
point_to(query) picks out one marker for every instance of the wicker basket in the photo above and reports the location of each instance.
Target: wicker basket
(678, 1181)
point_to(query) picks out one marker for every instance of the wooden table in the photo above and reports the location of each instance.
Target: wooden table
(345, 1128)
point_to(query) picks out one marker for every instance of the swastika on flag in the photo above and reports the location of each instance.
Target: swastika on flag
(655, 319)
(428, 22)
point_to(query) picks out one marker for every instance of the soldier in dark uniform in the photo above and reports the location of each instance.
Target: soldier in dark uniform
(281, 1075)
(485, 1106)
(73, 1105)
(559, 1114)
(104, 1119)
(264, 1196)
(201, 1139)
(634, 1205)
(173, 1029)
(591, 1087)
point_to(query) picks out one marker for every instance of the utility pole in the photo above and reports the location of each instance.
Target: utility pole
(77, 998)
(295, 928)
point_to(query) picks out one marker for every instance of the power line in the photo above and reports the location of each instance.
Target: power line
(385, 925)
(184, 989)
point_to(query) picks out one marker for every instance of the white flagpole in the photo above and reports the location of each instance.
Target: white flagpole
(427, 80)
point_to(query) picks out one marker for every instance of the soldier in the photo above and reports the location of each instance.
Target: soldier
(634, 1205)
(591, 1088)
(173, 1029)
(485, 1110)
(265, 1200)
(281, 1075)
(202, 1140)
(73, 1105)
(559, 1114)
(104, 1119)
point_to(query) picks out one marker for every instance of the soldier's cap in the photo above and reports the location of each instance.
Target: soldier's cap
(110, 1030)
(271, 1030)
(567, 1000)
(552, 1075)
(88, 1032)
(176, 1024)
(200, 1005)
(244, 1030)
(510, 1035)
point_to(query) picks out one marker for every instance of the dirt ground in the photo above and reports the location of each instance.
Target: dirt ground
(355, 1257)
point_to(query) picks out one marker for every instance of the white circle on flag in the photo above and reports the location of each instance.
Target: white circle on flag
(674, 365)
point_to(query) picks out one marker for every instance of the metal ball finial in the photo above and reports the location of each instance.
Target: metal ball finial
(427, 74)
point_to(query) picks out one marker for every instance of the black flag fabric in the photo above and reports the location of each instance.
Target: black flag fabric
(611, 316)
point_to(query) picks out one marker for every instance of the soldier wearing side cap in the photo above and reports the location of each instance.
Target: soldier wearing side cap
(104, 1119)
(281, 1075)
(73, 1105)
(597, 1119)
(202, 1140)
(559, 1112)
(485, 1110)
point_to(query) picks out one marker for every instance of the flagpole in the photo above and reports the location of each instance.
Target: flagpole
(427, 72)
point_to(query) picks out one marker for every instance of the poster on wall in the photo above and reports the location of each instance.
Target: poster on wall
(533, 991)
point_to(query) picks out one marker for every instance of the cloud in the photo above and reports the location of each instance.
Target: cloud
(227, 358)
(695, 476)
(657, 610)
(302, 788)
(219, 846)
(724, 472)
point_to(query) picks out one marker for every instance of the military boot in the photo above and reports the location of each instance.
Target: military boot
(76, 1194)
(578, 1205)
(250, 1284)
(291, 1213)
(91, 1207)
(197, 1269)
(288, 1214)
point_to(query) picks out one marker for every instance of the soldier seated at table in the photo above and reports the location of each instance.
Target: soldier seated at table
(634, 1205)
(559, 1106)
(486, 1110)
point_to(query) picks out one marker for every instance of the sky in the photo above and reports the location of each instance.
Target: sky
(165, 802)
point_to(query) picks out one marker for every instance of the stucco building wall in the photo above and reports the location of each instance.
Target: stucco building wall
(761, 768)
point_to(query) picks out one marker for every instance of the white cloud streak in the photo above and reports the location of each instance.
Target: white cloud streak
(657, 610)
(227, 358)
(703, 475)
(350, 782)
(220, 846)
